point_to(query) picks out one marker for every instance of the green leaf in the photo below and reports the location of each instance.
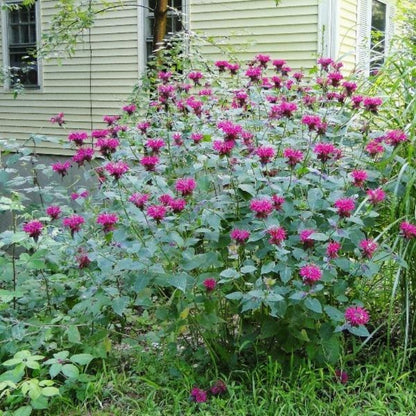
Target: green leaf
(319, 236)
(82, 359)
(315, 198)
(230, 274)
(234, 296)
(70, 370)
(119, 305)
(73, 335)
(34, 365)
(335, 314)
(23, 411)
(50, 391)
(248, 269)
(179, 281)
(313, 304)
(268, 267)
(359, 331)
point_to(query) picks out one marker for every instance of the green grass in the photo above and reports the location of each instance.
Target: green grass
(152, 384)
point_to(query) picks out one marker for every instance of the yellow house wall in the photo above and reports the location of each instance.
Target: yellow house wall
(247, 27)
(85, 87)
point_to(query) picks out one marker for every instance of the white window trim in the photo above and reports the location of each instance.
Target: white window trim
(5, 45)
(328, 28)
(142, 13)
(364, 14)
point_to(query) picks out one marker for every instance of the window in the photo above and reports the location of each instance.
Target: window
(20, 34)
(378, 34)
(174, 23)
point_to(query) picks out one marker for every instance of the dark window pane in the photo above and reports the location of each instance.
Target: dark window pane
(378, 34)
(22, 43)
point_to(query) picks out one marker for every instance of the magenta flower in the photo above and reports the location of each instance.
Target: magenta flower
(284, 109)
(166, 92)
(78, 137)
(222, 65)
(195, 76)
(117, 169)
(111, 120)
(325, 151)
(233, 68)
(261, 207)
(33, 228)
(155, 144)
(334, 78)
(265, 153)
(356, 101)
(139, 200)
(277, 82)
(341, 376)
(53, 211)
(278, 64)
(129, 109)
(164, 76)
(408, 230)
(310, 274)
(149, 162)
(254, 73)
(198, 395)
(177, 205)
(61, 167)
(277, 235)
(210, 284)
(218, 388)
(368, 247)
(359, 177)
(344, 206)
(177, 138)
(195, 105)
(298, 76)
(240, 236)
(374, 148)
(311, 121)
(349, 87)
(293, 156)
(372, 103)
(185, 186)
(304, 236)
(395, 137)
(157, 212)
(74, 223)
(58, 119)
(143, 126)
(165, 199)
(99, 134)
(107, 145)
(332, 249)
(83, 155)
(197, 137)
(108, 221)
(232, 131)
(262, 59)
(356, 315)
(325, 63)
(224, 148)
(277, 201)
(83, 260)
(376, 196)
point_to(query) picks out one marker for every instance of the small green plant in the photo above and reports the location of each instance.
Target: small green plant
(21, 389)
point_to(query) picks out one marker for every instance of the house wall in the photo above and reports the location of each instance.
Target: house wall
(247, 27)
(347, 34)
(96, 81)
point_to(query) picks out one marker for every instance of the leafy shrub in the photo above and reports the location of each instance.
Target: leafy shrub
(236, 206)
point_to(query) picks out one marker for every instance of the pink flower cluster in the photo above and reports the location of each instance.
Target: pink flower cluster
(408, 230)
(310, 274)
(74, 223)
(240, 236)
(33, 228)
(356, 315)
(108, 221)
(293, 156)
(185, 186)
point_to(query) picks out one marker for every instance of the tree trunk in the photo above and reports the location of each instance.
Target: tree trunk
(160, 25)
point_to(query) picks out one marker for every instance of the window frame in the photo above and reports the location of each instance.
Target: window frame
(144, 15)
(364, 17)
(5, 27)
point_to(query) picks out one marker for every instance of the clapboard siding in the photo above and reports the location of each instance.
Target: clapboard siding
(289, 31)
(348, 33)
(84, 87)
